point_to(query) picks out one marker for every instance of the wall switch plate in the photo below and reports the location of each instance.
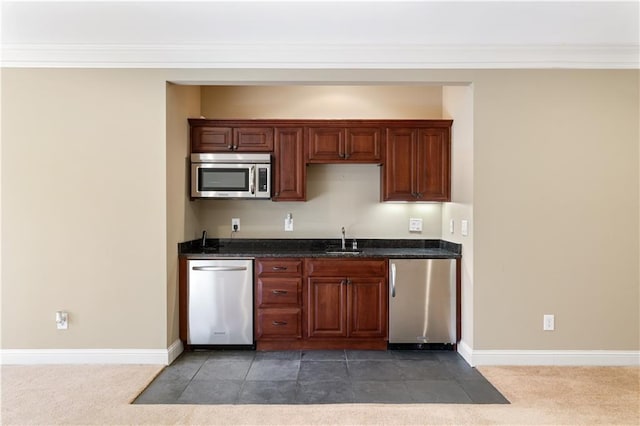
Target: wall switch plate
(464, 227)
(62, 320)
(288, 222)
(451, 225)
(549, 322)
(235, 224)
(415, 225)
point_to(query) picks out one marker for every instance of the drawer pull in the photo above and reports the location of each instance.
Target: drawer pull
(279, 268)
(279, 323)
(279, 291)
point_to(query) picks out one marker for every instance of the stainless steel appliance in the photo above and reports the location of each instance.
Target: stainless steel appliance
(422, 301)
(231, 175)
(220, 302)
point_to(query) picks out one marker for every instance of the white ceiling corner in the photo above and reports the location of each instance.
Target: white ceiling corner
(321, 34)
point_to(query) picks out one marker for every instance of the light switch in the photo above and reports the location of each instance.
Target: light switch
(464, 228)
(415, 225)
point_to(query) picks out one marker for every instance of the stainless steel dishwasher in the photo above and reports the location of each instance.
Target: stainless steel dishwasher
(220, 302)
(422, 301)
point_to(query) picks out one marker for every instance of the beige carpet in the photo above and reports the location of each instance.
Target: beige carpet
(100, 395)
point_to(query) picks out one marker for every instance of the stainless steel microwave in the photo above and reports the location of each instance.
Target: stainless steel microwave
(235, 175)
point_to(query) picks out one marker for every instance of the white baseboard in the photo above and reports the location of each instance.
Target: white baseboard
(465, 352)
(91, 356)
(174, 351)
(548, 357)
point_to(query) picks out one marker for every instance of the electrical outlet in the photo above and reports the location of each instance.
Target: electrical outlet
(549, 323)
(62, 320)
(415, 225)
(451, 225)
(235, 224)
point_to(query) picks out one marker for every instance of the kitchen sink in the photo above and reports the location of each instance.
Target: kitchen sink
(343, 252)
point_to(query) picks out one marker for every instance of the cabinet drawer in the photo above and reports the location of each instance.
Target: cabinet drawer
(278, 266)
(346, 267)
(279, 323)
(278, 291)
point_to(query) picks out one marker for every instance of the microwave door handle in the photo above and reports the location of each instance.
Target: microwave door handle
(252, 180)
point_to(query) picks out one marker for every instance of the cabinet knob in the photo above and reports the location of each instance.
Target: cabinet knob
(230, 147)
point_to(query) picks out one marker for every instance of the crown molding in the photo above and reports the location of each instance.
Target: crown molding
(320, 56)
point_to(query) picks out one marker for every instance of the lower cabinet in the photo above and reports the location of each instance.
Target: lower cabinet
(344, 304)
(278, 300)
(346, 298)
(347, 307)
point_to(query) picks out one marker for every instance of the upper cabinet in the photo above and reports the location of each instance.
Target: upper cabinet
(208, 136)
(415, 154)
(289, 171)
(417, 163)
(344, 143)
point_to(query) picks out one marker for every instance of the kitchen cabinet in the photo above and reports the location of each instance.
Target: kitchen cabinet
(289, 169)
(226, 136)
(346, 299)
(278, 299)
(415, 154)
(417, 161)
(344, 144)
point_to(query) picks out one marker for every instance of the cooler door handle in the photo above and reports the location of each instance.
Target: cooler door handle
(393, 280)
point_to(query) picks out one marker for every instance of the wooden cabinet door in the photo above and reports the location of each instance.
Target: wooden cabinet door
(226, 139)
(363, 145)
(433, 173)
(211, 139)
(326, 145)
(344, 145)
(327, 307)
(290, 172)
(398, 171)
(253, 139)
(417, 165)
(367, 312)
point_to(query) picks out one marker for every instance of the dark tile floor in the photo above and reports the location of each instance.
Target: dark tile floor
(320, 377)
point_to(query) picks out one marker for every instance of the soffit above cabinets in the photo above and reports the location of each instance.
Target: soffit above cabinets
(321, 34)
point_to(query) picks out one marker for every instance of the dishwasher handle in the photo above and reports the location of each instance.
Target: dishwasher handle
(219, 268)
(393, 280)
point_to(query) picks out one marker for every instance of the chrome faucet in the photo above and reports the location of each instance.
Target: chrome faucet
(204, 238)
(344, 246)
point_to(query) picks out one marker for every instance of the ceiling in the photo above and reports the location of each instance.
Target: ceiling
(321, 34)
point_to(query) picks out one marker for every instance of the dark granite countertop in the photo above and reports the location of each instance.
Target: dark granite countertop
(368, 248)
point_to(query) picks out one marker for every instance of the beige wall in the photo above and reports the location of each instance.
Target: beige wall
(345, 101)
(556, 209)
(83, 219)
(182, 222)
(337, 195)
(555, 203)
(458, 105)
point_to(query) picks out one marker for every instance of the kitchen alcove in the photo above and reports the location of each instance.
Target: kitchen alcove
(337, 195)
